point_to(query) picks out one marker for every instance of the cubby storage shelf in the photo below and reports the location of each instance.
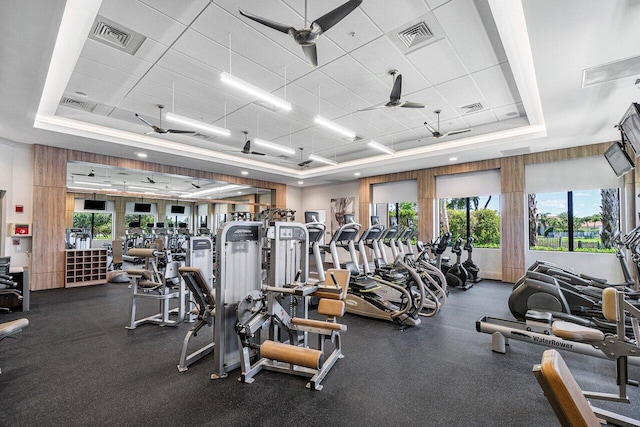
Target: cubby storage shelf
(85, 267)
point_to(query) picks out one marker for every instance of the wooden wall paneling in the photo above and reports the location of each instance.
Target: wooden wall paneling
(426, 204)
(566, 153)
(512, 214)
(49, 225)
(69, 209)
(50, 166)
(364, 201)
(466, 167)
(119, 218)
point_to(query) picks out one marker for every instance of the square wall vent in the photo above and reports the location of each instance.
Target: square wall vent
(471, 108)
(115, 35)
(417, 33)
(79, 105)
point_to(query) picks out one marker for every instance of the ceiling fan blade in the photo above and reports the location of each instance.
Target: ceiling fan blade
(180, 131)
(330, 19)
(456, 132)
(144, 121)
(271, 24)
(375, 107)
(410, 104)
(257, 154)
(305, 163)
(311, 53)
(430, 128)
(396, 92)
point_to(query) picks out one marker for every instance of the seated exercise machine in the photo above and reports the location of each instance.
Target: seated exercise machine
(149, 283)
(568, 401)
(10, 329)
(10, 295)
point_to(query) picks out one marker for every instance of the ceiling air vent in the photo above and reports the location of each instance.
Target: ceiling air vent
(415, 34)
(115, 35)
(471, 108)
(612, 71)
(515, 151)
(80, 105)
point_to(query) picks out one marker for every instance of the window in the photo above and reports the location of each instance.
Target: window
(144, 220)
(575, 221)
(100, 225)
(478, 217)
(403, 212)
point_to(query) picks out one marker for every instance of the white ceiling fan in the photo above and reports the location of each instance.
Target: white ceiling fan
(395, 99)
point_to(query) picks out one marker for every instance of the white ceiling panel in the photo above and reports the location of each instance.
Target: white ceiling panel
(475, 40)
(380, 56)
(105, 73)
(434, 101)
(151, 50)
(508, 112)
(438, 62)
(354, 31)
(433, 4)
(142, 19)
(389, 15)
(461, 91)
(183, 11)
(98, 90)
(480, 118)
(352, 75)
(114, 58)
(497, 85)
(203, 49)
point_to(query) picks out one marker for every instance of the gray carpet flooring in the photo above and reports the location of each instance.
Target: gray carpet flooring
(76, 364)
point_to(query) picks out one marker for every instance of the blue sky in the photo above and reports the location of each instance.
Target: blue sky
(585, 202)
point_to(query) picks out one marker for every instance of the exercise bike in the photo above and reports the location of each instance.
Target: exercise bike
(469, 265)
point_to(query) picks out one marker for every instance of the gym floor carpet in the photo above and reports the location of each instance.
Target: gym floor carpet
(76, 364)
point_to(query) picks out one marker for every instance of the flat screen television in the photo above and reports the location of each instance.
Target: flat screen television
(311, 216)
(134, 224)
(95, 205)
(142, 207)
(618, 159)
(175, 209)
(630, 125)
(159, 224)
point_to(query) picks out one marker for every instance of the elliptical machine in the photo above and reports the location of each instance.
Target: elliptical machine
(469, 265)
(455, 274)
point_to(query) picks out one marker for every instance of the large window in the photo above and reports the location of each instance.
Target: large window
(403, 212)
(144, 220)
(100, 225)
(478, 217)
(580, 221)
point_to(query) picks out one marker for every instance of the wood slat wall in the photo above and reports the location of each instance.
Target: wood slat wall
(512, 199)
(53, 208)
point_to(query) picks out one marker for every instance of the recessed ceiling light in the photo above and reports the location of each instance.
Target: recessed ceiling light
(453, 159)
(300, 182)
(82, 94)
(239, 192)
(142, 155)
(244, 173)
(356, 173)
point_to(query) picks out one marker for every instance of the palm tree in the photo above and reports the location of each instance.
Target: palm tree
(534, 220)
(610, 205)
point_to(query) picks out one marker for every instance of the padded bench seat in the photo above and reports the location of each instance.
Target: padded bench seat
(574, 332)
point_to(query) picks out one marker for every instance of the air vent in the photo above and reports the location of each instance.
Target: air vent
(415, 34)
(515, 151)
(612, 71)
(80, 105)
(203, 136)
(115, 35)
(471, 108)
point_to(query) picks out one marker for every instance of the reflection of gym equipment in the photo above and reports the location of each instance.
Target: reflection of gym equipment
(77, 238)
(203, 297)
(10, 295)
(568, 401)
(10, 329)
(471, 267)
(149, 283)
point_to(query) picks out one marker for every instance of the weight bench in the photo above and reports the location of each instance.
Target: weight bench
(204, 298)
(150, 284)
(10, 329)
(567, 399)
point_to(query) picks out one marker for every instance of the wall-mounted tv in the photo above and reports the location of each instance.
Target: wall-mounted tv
(179, 210)
(95, 205)
(311, 216)
(630, 125)
(142, 207)
(618, 159)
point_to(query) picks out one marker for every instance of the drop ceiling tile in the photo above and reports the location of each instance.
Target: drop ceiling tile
(183, 11)
(100, 53)
(98, 90)
(354, 31)
(203, 49)
(105, 73)
(392, 14)
(357, 79)
(433, 4)
(380, 56)
(329, 90)
(480, 118)
(470, 28)
(497, 85)
(142, 19)
(509, 112)
(458, 92)
(151, 50)
(434, 101)
(438, 62)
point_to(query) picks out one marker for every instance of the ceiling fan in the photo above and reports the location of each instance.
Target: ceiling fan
(307, 36)
(150, 180)
(160, 129)
(303, 163)
(395, 99)
(196, 185)
(90, 174)
(435, 133)
(247, 146)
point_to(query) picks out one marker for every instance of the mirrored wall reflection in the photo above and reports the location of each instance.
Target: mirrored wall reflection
(107, 201)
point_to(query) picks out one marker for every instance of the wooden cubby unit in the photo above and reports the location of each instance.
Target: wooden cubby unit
(84, 267)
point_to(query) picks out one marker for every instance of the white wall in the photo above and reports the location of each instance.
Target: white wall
(294, 201)
(16, 177)
(605, 266)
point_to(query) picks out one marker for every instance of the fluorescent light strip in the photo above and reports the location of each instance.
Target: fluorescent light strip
(99, 184)
(82, 188)
(255, 91)
(135, 187)
(322, 160)
(274, 146)
(214, 190)
(205, 127)
(380, 147)
(334, 127)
